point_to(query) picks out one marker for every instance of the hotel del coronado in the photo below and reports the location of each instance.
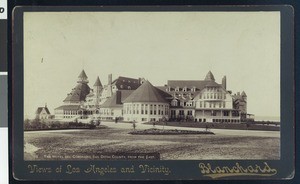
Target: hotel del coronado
(137, 100)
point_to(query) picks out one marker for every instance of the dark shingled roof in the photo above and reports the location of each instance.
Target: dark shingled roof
(98, 83)
(78, 93)
(122, 83)
(113, 101)
(212, 84)
(69, 107)
(39, 110)
(146, 93)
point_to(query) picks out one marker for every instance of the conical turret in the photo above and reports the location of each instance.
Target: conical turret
(97, 87)
(82, 78)
(98, 82)
(209, 77)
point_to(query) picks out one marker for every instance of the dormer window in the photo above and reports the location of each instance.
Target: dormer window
(129, 87)
(174, 102)
(184, 89)
(177, 88)
(121, 86)
(168, 88)
(193, 89)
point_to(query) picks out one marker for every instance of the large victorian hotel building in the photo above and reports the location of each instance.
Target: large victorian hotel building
(138, 100)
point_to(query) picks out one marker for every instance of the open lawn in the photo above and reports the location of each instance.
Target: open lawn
(84, 144)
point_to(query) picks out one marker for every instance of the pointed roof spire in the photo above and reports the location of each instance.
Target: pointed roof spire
(209, 76)
(98, 82)
(146, 93)
(82, 77)
(244, 94)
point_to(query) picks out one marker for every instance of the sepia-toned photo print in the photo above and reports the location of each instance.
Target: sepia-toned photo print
(152, 85)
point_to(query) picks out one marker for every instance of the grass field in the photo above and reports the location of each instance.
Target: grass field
(84, 144)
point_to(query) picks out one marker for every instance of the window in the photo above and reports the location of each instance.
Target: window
(213, 113)
(129, 87)
(174, 102)
(225, 113)
(177, 88)
(121, 86)
(146, 108)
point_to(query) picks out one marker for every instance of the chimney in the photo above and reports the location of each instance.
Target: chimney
(118, 97)
(224, 82)
(109, 87)
(109, 79)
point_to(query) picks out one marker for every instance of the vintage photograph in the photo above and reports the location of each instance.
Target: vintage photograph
(152, 85)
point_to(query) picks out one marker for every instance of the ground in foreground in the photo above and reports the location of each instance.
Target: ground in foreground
(85, 144)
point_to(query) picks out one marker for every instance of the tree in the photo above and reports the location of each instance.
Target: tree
(27, 125)
(36, 124)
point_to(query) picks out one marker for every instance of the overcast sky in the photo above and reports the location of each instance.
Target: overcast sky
(159, 46)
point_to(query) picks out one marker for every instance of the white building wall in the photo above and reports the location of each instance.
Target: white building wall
(143, 112)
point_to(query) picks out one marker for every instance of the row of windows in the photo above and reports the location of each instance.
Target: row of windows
(218, 120)
(145, 109)
(212, 104)
(185, 104)
(185, 89)
(181, 112)
(128, 87)
(146, 119)
(213, 89)
(213, 96)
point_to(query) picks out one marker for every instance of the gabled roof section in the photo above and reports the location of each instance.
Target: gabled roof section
(126, 83)
(98, 82)
(209, 77)
(69, 107)
(146, 93)
(212, 84)
(189, 84)
(39, 110)
(113, 101)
